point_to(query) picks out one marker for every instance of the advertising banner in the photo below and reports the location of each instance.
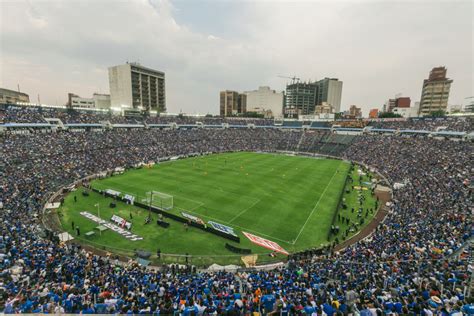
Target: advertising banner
(193, 218)
(112, 192)
(121, 222)
(265, 243)
(222, 228)
(125, 233)
(129, 198)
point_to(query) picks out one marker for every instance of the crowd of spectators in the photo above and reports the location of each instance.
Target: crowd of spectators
(207, 120)
(31, 114)
(18, 114)
(21, 114)
(408, 266)
(455, 124)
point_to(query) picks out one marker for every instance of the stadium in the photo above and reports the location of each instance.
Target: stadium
(160, 215)
(237, 157)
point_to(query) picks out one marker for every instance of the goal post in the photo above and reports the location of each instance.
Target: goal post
(159, 199)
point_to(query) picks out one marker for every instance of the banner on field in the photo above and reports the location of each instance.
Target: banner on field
(112, 192)
(265, 243)
(121, 222)
(222, 228)
(125, 233)
(129, 198)
(193, 218)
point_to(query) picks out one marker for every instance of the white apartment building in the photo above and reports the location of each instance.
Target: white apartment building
(265, 101)
(330, 91)
(135, 86)
(406, 112)
(98, 101)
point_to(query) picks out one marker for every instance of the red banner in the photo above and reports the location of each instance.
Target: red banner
(265, 243)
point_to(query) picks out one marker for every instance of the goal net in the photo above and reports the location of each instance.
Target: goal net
(159, 199)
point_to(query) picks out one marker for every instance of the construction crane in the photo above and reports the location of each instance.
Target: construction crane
(293, 79)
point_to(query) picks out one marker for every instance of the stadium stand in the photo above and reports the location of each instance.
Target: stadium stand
(35, 114)
(458, 124)
(325, 142)
(320, 124)
(18, 114)
(292, 123)
(417, 262)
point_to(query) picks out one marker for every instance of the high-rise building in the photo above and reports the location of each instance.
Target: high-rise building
(232, 103)
(241, 103)
(389, 105)
(12, 96)
(98, 101)
(402, 102)
(324, 108)
(330, 91)
(135, 86)
(469, 106)
(435, 92)
(355, 112)
(265, 100)
(70, 96)
(398, 102)
(300, 98)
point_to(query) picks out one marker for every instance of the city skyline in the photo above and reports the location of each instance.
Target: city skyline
(378, 49)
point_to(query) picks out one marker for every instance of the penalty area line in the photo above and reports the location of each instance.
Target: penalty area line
(242, 212)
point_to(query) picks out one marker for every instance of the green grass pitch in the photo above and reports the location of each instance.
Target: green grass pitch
(290, 200)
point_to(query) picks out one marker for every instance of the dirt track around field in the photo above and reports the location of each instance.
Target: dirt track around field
(366, 231)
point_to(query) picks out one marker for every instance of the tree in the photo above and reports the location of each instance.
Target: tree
(389, 115)
(252, 114)
(438, 113)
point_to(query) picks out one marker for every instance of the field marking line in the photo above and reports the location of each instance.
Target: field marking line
(198, 203)
(185, 198)
(211, 187)
(220, 220)
(242, 212)
(197, 206)
(315, 206)
(240, 227)
(248, 197)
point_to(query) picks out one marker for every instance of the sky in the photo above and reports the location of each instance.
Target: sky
(377, 48)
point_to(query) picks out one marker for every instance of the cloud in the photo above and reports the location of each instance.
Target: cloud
(377, 48)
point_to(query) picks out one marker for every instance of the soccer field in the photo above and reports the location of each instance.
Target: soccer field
(290, 200)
